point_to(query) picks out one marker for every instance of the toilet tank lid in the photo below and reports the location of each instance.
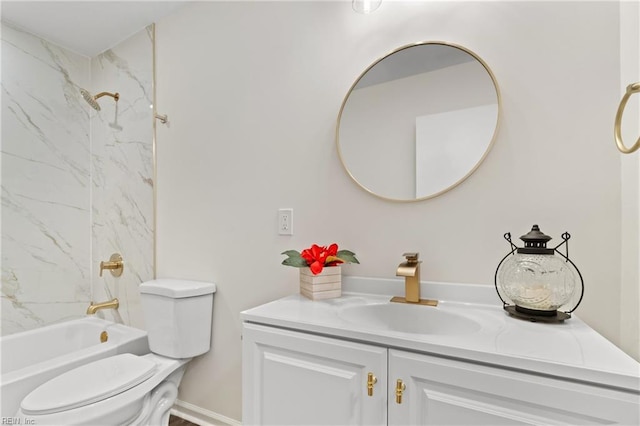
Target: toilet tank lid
(176, 288)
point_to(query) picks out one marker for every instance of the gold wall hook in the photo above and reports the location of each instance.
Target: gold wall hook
(114, 264)
(371, 380)
(617, 130)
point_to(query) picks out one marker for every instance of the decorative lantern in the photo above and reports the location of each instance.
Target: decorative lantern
(538, 280)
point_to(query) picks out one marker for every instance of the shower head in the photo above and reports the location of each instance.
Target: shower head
(90, 99)
(93, 100)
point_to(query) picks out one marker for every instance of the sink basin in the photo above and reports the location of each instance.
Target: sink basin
(408, 319)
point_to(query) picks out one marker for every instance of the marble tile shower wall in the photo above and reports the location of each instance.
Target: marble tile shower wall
(122, 172)
(76, 183)
(45, 182)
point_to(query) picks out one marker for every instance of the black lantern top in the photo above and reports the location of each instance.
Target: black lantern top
(535, 242)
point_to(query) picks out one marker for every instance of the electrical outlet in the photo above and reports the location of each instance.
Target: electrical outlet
(285, 221)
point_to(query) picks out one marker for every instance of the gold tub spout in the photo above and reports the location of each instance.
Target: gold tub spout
(111, 304)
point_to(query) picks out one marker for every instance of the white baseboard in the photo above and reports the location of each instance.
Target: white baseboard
(200, 416)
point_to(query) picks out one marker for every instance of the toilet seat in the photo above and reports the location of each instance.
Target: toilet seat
(89, 384)
(130, 407)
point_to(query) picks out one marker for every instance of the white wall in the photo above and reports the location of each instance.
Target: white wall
(253, 90)
(630, 73)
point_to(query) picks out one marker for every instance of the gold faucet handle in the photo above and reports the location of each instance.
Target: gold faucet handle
(411, 257)
(114, 264)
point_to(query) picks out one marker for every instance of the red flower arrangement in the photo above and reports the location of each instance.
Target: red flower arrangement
(317, 257)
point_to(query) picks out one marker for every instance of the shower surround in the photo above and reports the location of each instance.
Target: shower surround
(77, 184)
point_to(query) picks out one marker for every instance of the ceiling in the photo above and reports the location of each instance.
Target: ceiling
(85, 27)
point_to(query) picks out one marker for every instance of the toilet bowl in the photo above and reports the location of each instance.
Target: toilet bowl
(130, 389)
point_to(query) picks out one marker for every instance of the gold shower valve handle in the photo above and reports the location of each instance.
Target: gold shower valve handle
(617, 130)
(400, 388)
(114, 264)
(371, 380)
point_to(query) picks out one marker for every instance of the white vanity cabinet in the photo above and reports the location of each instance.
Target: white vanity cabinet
(292, 378)
(441, 391)
(298, 378)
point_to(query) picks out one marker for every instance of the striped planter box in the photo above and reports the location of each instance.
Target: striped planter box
(326, 285)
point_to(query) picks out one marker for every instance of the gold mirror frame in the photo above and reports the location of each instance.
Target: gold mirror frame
(472, 170)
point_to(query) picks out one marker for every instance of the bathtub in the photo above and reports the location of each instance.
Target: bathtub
(36, 356)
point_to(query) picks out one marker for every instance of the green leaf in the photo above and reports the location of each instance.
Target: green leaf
(296, 262)
(294, 259)
(347, 256)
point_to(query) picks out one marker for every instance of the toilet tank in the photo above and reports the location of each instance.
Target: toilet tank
(178, 316)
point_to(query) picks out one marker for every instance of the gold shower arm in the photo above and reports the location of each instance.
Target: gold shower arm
(631, 89)
(115, 96)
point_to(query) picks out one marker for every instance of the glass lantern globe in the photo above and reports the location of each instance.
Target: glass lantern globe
(536, 279)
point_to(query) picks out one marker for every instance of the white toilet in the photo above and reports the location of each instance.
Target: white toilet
(127, 389)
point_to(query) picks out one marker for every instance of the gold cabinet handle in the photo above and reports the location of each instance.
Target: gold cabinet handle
(400, 387)
(371, 380)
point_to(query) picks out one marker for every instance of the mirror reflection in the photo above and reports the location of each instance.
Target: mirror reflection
(418, 121)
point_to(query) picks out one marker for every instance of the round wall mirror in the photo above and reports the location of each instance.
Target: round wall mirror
(418, 121)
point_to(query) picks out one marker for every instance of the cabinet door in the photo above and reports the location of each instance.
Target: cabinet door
(446, 392)
(292, 378)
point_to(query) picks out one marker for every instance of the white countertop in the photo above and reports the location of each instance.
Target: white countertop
(570, 350)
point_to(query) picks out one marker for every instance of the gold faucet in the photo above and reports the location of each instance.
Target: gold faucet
(114, 264)
(410, 270)
(111, 304)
